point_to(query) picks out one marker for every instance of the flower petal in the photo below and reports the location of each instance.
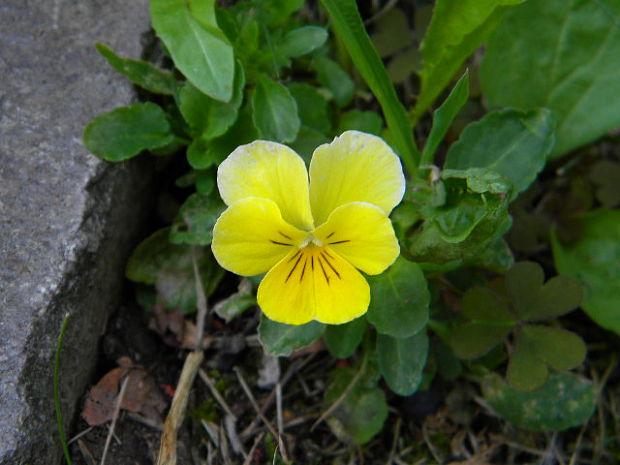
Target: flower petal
(355, 167)
(271, 171)
(313, 283)
(362, 235)
(250, 236)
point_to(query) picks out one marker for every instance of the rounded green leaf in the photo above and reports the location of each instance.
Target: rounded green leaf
(559, 348)
(512, 142)
(565, 401)
(274, 111)
(342, 340)
(281, 339)
(302, 41)
(365, 121)
(482, 305)
(471, 340)
(312, 106)
(559, 295)
(399, 300)
(124, 132)
(526, 370)
(561, 55)
(196, 218)
(331, 75)
(200, 51)
(594, 260)
(523, 283)
(402, 360)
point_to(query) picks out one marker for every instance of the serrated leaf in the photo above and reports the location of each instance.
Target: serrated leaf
(311, 105)
(364, 121)
(281, 339)
(563, 402)
(457, 29)
(526, 370)
(331, 75)
(195, 221)
(471, 340)
(457, 222)
(513, 143)
(342, 340)
(481, 305)
(557, 347)
(274, 111)
(302, 41)
(443, 117)
(570, 50)
(140, 72)
(200, 51)
(124, 132)
(402, 360)
(594, 260)
(349, 27)
(399, 300)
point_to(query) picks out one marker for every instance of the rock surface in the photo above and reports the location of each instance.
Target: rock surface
(67, 220)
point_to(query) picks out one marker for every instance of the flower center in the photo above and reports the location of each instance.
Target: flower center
(310, 239)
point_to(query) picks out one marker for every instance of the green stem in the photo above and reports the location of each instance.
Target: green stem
(61, 429)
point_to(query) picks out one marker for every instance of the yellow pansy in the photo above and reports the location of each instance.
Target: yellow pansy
(311, 235)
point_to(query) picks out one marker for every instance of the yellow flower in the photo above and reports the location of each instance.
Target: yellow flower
(310, 236)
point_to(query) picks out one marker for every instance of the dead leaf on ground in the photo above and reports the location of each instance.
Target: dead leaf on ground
(175, 330)
(141, 394)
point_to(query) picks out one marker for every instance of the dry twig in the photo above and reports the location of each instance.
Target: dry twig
(117, 410)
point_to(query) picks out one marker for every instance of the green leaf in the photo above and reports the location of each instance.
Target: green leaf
(606, 175)
(281, 339)
(392, 32)
(512, 142)
(124, 132)
(342, 340)
(526, 370)
(457, 29)
(140, 72)
(350, 29)
(196, 218)
(302, 41)
(402, 360)
(331, 75)
(311, 105)
(443, 117)
(496, 257)
(594, 260)
(170, 268)
(472, 340)
(154, 254)
(535, 301)
(237, 303)
(557, 347)
(570, 50)
(307, 141)
(399, 300)
(364, 121)
(363, 410)
(207, 117)
(563, 402)
(199, 50)
(483, 306)
(213, 153)
(274, 111)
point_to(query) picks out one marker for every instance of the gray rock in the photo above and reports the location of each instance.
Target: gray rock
(67, 220)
